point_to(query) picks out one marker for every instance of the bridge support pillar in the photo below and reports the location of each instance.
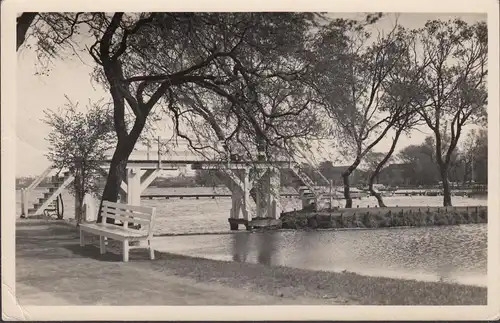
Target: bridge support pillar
(273, 193)
(239, 184)
(134, 191)
(261, 194)
(268, 194)
(134, 186)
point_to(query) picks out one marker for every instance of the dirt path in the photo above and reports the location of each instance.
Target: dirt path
(52, 269)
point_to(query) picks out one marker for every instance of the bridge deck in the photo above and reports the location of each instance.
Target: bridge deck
(200, 164)
(197, 196)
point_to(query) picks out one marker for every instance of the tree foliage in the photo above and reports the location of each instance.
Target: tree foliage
(454, 90)
(260, 82)
(473, 156)
(360, 93)
(78, 142)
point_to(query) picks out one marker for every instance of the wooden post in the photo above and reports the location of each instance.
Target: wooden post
(331, 194)
(159, 153)
(246, 194)
(134, 186)
(24, 203)
(258, 198)
(148, 148)
(235, 203)
(78, 193)
(273, 193)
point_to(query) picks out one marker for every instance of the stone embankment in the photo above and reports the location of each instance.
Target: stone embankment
(383, 217)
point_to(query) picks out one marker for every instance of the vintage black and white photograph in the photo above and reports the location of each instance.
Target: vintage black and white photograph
(237, 158)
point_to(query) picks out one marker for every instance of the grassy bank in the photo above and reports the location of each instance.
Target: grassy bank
(50, 261)
(384, 217)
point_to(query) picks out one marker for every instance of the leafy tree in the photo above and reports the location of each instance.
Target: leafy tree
(400, 98)
(147, 58)
(78, 142)
(475, 156)
(454, 90)
(422, 168)
(354, 94)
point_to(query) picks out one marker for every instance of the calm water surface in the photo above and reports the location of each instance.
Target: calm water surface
(451, 253)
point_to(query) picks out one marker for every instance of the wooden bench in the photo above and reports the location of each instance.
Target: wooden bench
(144, 216)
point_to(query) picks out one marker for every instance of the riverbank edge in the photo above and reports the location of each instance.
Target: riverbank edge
(286, 282)
(389, 217)
(72, 223)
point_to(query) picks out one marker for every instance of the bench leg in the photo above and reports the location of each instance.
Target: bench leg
(151, 251)
(82, 238)
(102, 245)
(125, 250)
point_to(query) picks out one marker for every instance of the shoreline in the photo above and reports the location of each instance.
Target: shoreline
(277, 282)
(354, 288)
(71, 222)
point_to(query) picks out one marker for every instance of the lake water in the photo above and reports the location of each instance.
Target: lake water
(451, 253)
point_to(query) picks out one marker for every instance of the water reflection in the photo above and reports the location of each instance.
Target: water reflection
(241, 247)
(451, 253)
(267, 248)
(263, 246)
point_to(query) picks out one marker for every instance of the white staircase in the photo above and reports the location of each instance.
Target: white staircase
(58, 184)
(309, 191)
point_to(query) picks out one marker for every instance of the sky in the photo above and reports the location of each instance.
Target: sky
(70, 77)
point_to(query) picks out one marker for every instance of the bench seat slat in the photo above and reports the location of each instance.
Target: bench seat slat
(113, 231)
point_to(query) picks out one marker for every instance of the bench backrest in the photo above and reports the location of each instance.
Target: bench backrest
(129, 214)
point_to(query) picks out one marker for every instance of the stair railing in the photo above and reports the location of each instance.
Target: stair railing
(305, 178)
(54, 195)
(310, 162)
(25, 193)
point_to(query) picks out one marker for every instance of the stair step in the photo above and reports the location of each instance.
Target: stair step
(56, 179)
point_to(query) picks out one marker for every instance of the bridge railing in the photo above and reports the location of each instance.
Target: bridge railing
(168, 149)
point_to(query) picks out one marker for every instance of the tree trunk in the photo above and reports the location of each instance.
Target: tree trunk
(446, 185)
(379, 167)
(345, 177)
(117, 172)
(377, 195)
(347, 191)
(23, 23)
(78, 199)
(78, 185)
